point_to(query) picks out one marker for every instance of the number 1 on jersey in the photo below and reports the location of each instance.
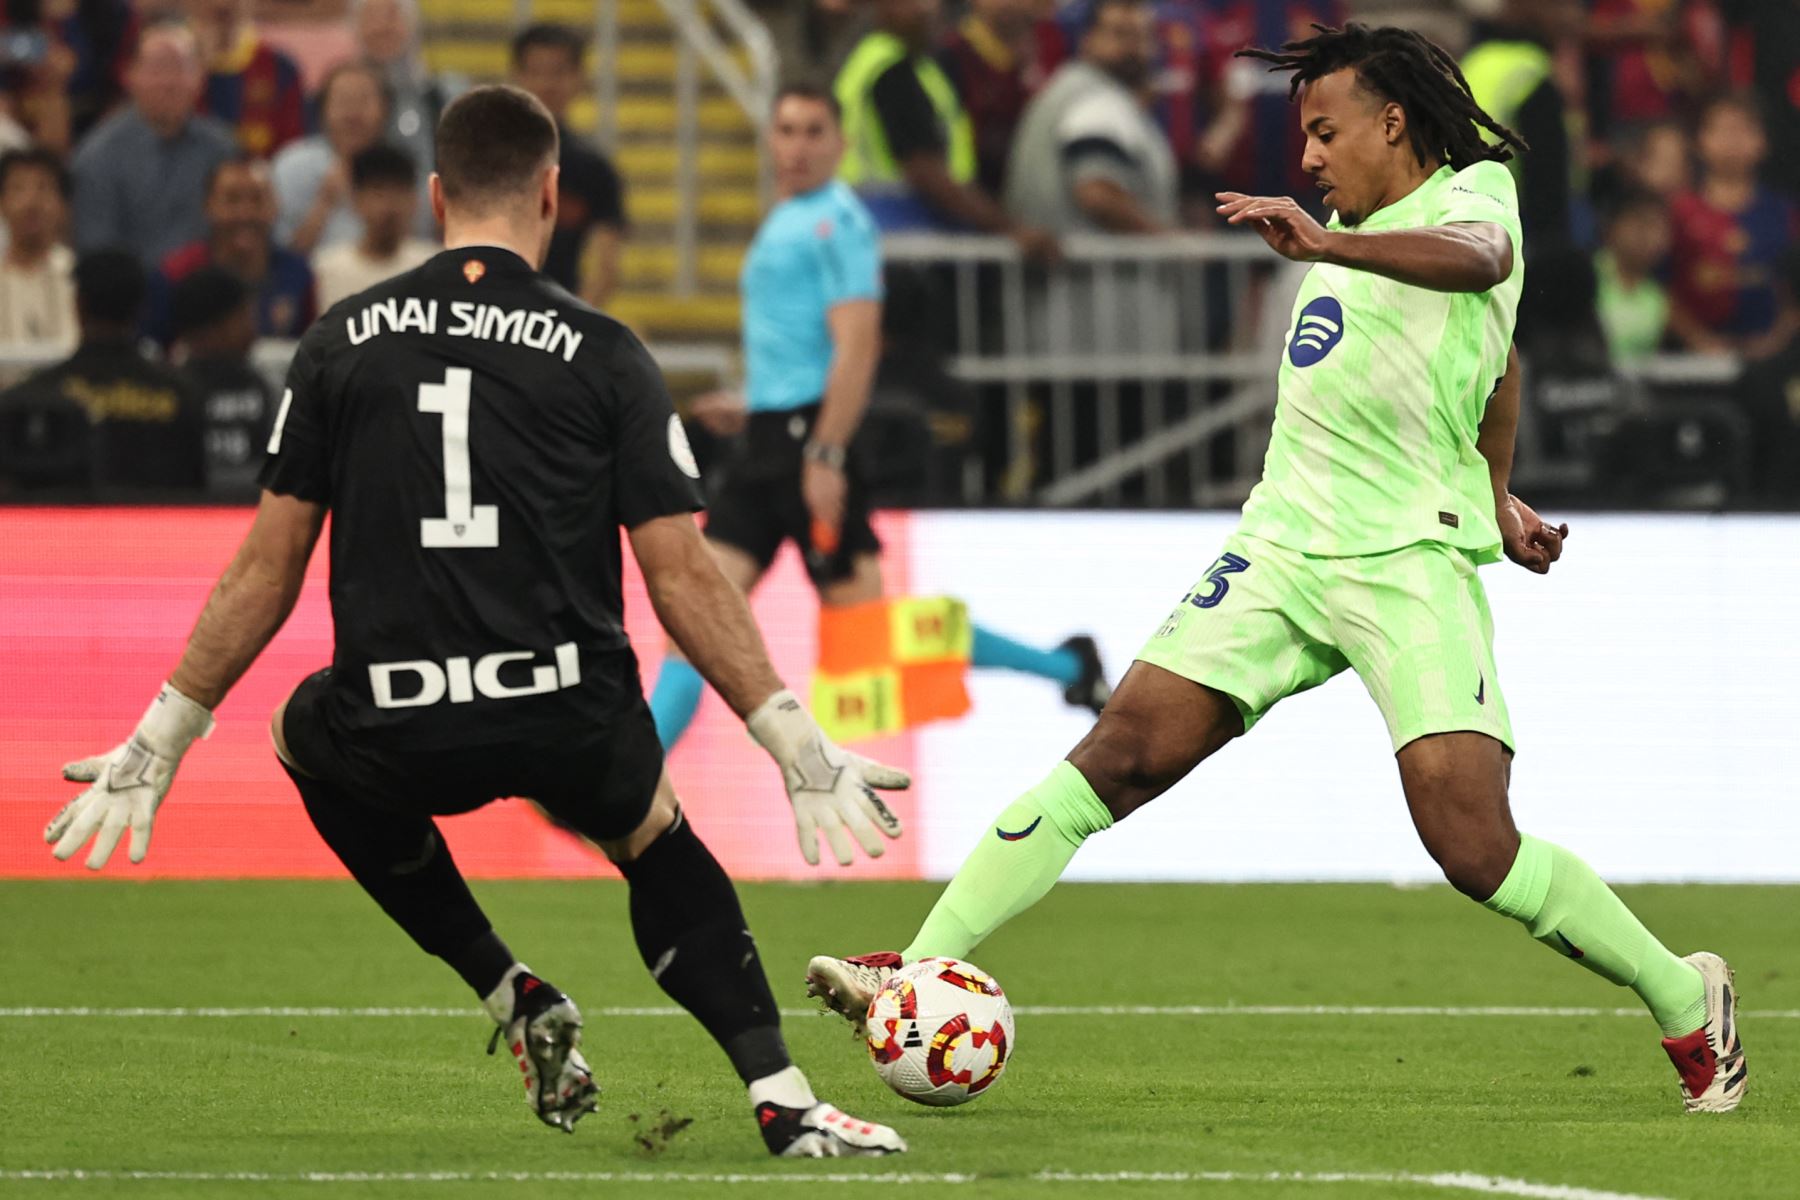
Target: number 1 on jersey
(465, 524)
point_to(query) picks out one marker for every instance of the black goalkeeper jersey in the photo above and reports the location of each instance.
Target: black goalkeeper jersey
(480, 437)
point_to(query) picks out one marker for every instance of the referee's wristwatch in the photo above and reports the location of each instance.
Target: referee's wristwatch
(830, 456)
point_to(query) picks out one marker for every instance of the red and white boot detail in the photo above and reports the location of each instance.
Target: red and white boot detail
(795, 1124)
(824, 1132)
(848, 985)
(542, 1028)
(1710, 1060)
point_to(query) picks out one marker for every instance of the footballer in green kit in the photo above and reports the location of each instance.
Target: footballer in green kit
(1384, 488)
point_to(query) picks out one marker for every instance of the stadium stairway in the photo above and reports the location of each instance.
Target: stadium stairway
(469, 38)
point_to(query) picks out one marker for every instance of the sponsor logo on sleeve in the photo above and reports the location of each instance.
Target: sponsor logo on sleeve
(680, 451)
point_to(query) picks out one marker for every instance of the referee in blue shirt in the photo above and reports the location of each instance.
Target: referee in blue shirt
(811, 287)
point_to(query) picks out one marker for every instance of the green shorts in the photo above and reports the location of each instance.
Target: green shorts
(1265, 623)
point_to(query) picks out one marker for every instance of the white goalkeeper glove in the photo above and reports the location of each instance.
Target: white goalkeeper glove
(832, 790)
(129, 781)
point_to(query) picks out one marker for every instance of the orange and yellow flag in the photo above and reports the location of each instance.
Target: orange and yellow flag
(890, 665)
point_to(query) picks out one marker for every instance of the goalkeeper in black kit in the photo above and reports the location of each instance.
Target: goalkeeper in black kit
(480, 437)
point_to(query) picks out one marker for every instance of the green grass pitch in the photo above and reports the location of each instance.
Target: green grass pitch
(1258, 1105)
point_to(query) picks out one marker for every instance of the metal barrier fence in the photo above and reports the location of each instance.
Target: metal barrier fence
(1140, 369)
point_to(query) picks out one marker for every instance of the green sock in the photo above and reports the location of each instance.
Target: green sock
(1016, 862)
(1570, 909)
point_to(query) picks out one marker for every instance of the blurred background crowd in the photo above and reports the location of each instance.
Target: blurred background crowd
(185, 184)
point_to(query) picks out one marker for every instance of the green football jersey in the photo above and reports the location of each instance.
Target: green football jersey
(1381, 393)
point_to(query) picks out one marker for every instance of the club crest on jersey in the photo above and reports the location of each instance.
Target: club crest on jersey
(474, 269)
(1319, 329)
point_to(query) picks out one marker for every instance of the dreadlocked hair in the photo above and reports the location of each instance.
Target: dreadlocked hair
(1442, 119)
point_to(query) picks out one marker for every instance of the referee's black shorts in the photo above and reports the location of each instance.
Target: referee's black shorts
(759, 504)
(597, 778)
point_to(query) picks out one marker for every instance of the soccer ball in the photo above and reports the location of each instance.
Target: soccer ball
(940, 1032)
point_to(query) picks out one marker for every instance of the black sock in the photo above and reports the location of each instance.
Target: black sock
(692, 934)
(482, 963)
(402, 862)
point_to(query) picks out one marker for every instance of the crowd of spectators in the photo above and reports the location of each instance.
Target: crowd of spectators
(173, 191)
(172, 135)
(1660, 185)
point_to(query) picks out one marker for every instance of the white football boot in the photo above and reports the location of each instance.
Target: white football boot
(542, 1028)
(796, 1125)
(1710, 1060)
(824, 1132)
(848, 985)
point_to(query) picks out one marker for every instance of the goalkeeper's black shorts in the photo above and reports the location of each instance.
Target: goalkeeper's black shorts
(759, 504)
(598, 783)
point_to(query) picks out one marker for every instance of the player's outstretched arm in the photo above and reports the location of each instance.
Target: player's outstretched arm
(832, 790)
(1469, 256)
(703, 613)
(250, 602)
(1528, 540)
(252, 599)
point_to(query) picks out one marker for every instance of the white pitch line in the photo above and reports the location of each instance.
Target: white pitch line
(1352, 1010)
(1461, 1181)
(1028, 1010)
(1456, 1181)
